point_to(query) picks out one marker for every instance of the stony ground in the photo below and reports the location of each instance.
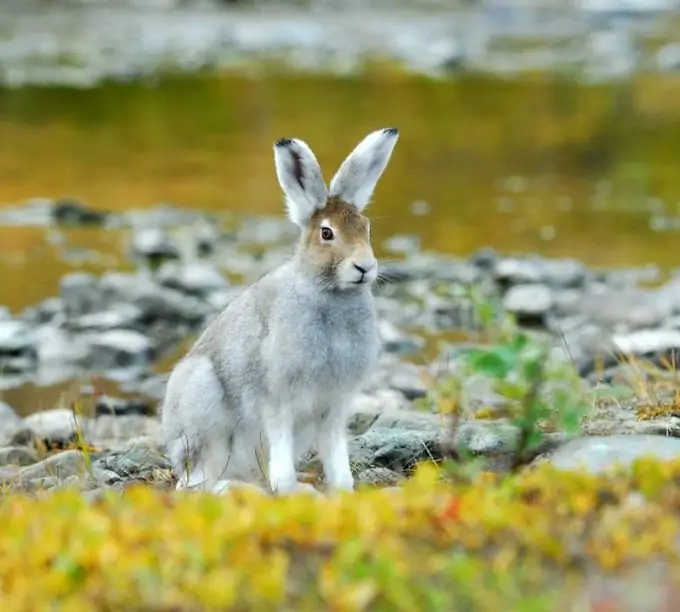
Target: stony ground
(81, 44)
(613, 335)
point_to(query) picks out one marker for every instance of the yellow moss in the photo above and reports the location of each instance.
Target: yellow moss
(489, 542)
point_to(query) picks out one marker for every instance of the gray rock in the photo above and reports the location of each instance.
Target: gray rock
(409, 420)
(563, 273)
(58, 426)
(647, 342)
(402, 244)
(396, 341)
(118, 432)
(514, 271)
(408, 379)
(379, 476)
(17, 455)
(123, 315)
(119, 348)
(154, 243)
(395, 449)
(528, 302)
(16, 337)
(9, 421)
(59, 466)
(58, 347)
(138, 462)
(631, 308)
(197, 278)
(79, 293)
(481, 438)
(598, 454)
(154, 301)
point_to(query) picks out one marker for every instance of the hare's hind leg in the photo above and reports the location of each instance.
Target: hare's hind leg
(200, 429)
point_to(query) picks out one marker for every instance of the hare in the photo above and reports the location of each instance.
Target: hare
(277, 368)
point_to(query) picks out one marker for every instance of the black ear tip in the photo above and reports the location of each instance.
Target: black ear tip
(391, 131)
(283, 142)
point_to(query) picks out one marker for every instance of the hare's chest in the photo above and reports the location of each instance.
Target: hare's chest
(332, 347)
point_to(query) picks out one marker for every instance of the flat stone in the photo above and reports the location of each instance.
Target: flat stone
(120, 348)
(197, 278)
(57, 426)
(59, 466)
(379, 476)
(17, 455)
(598, 454)
(529, 303)
(16, 337)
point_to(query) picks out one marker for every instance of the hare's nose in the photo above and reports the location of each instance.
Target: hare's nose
(365, 266)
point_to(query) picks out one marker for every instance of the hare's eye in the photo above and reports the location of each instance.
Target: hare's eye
(327, 233)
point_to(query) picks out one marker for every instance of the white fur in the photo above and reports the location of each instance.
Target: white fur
(274, 373)
(300, 178)
(358, 175)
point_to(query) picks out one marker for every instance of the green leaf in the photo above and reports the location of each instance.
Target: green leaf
(491, 363)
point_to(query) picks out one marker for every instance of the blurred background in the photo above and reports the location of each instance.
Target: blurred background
(536, 126)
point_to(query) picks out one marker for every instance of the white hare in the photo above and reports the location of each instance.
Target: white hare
(276, 370)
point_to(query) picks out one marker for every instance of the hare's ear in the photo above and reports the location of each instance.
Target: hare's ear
(358, 175)
(300, 178)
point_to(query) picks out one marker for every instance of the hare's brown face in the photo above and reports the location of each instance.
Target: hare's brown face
(336, 237)
(337, 243)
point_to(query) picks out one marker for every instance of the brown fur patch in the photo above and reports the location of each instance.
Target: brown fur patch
(351, 234)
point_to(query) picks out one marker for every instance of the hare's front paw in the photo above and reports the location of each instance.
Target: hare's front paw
(222, 487)
(297, 487)
(343, 482)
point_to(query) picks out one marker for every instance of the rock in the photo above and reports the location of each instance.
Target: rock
(379, 476)
(16, 337)
(137, 462)
(17, 455)
(59, 466)
(409, 420)
(513, 271)
(154, 244)
(402, 244)
(631, 308)
(408, 380)
(79, 293)
(10, 422)
(529, 303)
(119, 348)
(59, 347)
(8, 474)
(598, 454)
(481, 438)
(32, 485)
(154, 301)
(648, 342)
(366, 407)
(206, 237)
(396, 449)
(123, 315)
(56, 427)
(563, 273)
(71, 212)
(119, 432)
(396, 341)
(198, 278)
(120, 407)
(484, 258)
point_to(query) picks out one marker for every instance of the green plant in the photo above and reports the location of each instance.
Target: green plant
(542, 394)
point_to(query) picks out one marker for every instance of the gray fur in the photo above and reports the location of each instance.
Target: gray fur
(275, 370)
